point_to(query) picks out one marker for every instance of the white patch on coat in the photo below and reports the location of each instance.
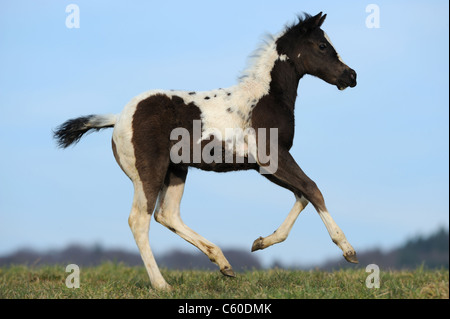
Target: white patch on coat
(329, 41)
(227, 108)
(123, 134)
(284, 57)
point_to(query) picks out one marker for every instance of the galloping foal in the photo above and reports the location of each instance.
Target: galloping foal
(147, 147)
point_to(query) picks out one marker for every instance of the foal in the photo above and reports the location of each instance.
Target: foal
(146, 141)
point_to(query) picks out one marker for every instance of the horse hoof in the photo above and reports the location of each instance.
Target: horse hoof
(228, 272)
(258, 244)
(164, 287)
(351, 258)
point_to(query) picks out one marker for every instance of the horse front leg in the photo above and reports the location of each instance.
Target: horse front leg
(289, 175)
(283, 231)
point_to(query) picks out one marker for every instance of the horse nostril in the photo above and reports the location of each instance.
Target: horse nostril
(353, 75)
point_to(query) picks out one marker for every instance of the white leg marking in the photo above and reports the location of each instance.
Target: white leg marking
(283, 231)
(139, 222)
(168, 214)
(336, 234)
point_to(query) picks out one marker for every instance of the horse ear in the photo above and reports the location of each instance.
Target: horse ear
(312, 23)
(318, 19)
(322, 19)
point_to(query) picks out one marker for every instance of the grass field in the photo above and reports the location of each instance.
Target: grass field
(118, 281)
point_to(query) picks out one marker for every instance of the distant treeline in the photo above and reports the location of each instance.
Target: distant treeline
(430, 252)
(96, 255)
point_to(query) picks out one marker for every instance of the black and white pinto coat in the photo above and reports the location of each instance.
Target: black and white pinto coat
(143, 140)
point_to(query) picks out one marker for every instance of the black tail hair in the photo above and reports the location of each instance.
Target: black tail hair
(71, 131)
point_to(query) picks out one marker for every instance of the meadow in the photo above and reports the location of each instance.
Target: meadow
(117, 281)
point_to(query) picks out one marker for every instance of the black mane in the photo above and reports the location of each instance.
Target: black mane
(302, 19)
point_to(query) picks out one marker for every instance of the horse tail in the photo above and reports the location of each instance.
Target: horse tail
(71, 131)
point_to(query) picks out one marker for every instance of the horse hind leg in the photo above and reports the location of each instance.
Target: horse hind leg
(139, 222)
(167, 213)
(148, 178)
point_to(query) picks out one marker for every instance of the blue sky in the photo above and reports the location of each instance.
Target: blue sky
(379, 152)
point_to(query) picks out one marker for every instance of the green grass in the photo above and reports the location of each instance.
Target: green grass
(118, 281)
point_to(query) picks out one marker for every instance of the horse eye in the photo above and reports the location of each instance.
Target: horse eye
(322, 46)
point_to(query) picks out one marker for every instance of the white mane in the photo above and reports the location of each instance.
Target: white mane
(257, 74)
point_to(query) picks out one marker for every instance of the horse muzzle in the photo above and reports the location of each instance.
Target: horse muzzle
(347, 79)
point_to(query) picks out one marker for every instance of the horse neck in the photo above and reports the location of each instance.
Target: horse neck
(271, 74)
(284, 84)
